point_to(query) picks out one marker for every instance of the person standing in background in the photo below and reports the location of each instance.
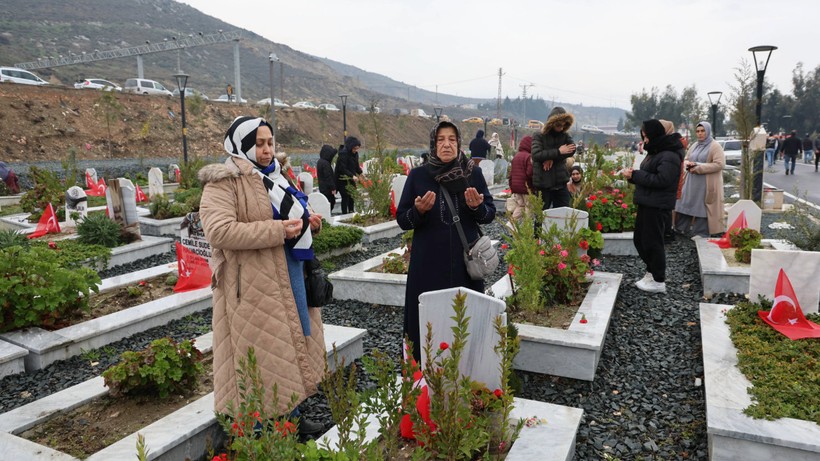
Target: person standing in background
(520, 179)
(496, 149)
(324, 173)
(699, 211)
(816, 152)
(772, 143)
(668, 229)
(348, 171)
(479, 147)
(550, 150)
(576, 179)
(791, 148)
(808, 148)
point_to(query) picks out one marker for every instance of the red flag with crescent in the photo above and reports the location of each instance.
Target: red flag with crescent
(194, 272)
(141, 195)
(786, 315)
(48, 224)
(740, 223)
(423, 401)
(392, 203)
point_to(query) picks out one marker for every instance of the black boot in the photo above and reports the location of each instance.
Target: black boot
(308, 427)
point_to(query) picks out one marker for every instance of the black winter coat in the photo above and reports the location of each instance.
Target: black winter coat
(324, 170)
(656, 183)
(545, 147)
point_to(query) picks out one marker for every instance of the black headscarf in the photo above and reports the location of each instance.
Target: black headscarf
(455, 174)
(659, 141)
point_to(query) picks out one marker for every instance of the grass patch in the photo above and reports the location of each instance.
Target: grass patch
(333, 237)
(785, 374)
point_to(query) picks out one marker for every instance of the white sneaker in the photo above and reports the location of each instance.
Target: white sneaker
(647, 277)
(651, 286)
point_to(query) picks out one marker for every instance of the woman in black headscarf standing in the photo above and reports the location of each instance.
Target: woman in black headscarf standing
(436, 260)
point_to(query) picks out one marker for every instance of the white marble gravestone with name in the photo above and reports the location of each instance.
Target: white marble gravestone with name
(563, 218)
(750, 209)
(173, 169)
(155, 182)
(76, 202)
(397, 186)
(801, 267)
(307, 182)
(488, 170)
(478, 360)
(192, 237)
(320, 205)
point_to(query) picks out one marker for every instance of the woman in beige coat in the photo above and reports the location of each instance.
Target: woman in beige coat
(260, 231)
(699, 210)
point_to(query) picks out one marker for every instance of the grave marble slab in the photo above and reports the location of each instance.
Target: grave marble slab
(750, 209)
(320, 204)
(371, 233)
(357, 282)
(160, 227)
(155, 180)
(478, 361)
(12, 359)
(307, 180)
(488, 170)
(147, 247)
(564, 218)
(731, 434)
(801, 267)
(76, 201)
(619, 244)
(397, 186)
(93, 173)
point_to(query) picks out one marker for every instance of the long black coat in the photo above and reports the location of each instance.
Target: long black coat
(436, 258)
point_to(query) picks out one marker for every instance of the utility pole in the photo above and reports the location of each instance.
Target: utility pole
(498, 100)
(524, 98)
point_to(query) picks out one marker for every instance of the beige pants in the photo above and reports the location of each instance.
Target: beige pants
(516, 205)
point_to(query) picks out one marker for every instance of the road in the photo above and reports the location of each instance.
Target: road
(805, 183)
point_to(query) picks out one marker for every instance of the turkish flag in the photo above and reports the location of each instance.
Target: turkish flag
(194, 272)
(740, 223)
(786, 315)
(98, 190)
(177, 175)
(141, 195)
(392, 203)
(422, 403)
(89, 181)
(48, 224)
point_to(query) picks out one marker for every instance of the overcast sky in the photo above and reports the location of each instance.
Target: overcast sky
(595, 52)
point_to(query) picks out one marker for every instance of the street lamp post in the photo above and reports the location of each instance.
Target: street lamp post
(344, 116)
(757, 164)
(716, 95)
(438, 111)
(182, 85)
(272, 58)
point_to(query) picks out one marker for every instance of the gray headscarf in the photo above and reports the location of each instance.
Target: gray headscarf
(702, 147)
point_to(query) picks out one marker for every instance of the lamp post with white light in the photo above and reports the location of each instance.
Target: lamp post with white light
(760, 68)
(437, 111)
(182, 85)
(344, 117)
(714, 100)
(272, 58)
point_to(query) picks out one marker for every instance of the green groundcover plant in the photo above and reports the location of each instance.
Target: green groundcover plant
(163, 368)
(785, 374)
(334, 237)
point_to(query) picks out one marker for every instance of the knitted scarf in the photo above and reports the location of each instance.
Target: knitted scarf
(287, 201)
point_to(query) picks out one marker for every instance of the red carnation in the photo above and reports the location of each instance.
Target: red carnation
(52, 245)
(498, 393)
(599, 226)
(443, 346)
(583, 244)
(604, 200)
(593, 197)
(589, 204)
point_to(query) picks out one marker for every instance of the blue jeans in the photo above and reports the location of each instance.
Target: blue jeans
(790, 158)
(807, 156)
(770, 156)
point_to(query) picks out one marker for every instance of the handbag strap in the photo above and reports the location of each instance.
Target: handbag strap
(457, 221)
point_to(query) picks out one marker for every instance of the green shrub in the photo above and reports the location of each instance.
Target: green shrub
(189, 197)
(162, 208)
(189, 173)
(98, 229)
(36, 290)
(744, 240)
(163, 368)
(333, 237)
(4, 189)
(47, 189)
(10, 238)
(395, 263)
(72, 253)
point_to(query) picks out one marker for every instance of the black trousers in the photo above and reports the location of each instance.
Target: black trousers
(347, 199)
(555, 198)
(648, 239)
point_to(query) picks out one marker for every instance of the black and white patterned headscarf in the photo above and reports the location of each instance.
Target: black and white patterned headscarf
(287, 201)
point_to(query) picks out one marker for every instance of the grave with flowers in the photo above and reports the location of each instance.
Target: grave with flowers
(760, 369)
(612, 213)
(563, 304)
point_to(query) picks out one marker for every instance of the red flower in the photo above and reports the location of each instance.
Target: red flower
(543, 252)
(52, 245)
(504, 246)
(222, 457)
(604, 200)
(599, 226)
(589, 204)
(498, 393)
(583, 244)
(511, 270)
(583, 318)
(443, 346)
(142, 283)
(593, 197)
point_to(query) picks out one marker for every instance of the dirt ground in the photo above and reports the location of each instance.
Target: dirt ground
(46, 123)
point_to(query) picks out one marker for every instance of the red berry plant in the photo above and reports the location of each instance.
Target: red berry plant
(610, 210)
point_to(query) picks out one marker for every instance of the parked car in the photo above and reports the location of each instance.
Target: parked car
(591, 129)
(329, 107)
(231, 98)
(145, 86)
(495, 122)
(276, 102)
(732, 150)
(473, 120)
(419, 113)
(191, 92)
(305, 105)
(357, 107)
(537, 124)
(97, 84)
(15, 75)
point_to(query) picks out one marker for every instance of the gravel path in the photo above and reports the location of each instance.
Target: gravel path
(643, 404)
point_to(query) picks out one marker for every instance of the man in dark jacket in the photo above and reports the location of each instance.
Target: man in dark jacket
(550, 150)
(347, 170)
(808, 148)
(324, 173)
(479, 147)
(791, 147)
(656, 185)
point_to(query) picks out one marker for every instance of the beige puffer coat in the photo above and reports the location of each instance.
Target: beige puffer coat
(712, 169)
(253, 301)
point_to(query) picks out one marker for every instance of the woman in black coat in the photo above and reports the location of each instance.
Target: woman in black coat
(324, 173)
(437, 255)
(347, 170)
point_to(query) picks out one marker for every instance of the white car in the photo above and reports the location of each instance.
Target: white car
(145, 86)
(97, 84)
(732, 150)
(329, 107)
(190, 93)
(15, 75)
(305, 105)
(591, 129)
(232, 98)
(276, 102)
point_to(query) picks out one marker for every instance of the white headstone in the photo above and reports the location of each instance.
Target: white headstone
(563, 216)
(397, 186)
(801, 267)
(307, 182)
(750, 209)
(501, 166)
(173, 172)
(366, 165)
(76, 201)
(93, 173)
(122, 205)
(478, 361)
(192, 237)
(155, 182)
(488, 169)
(320, 204)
